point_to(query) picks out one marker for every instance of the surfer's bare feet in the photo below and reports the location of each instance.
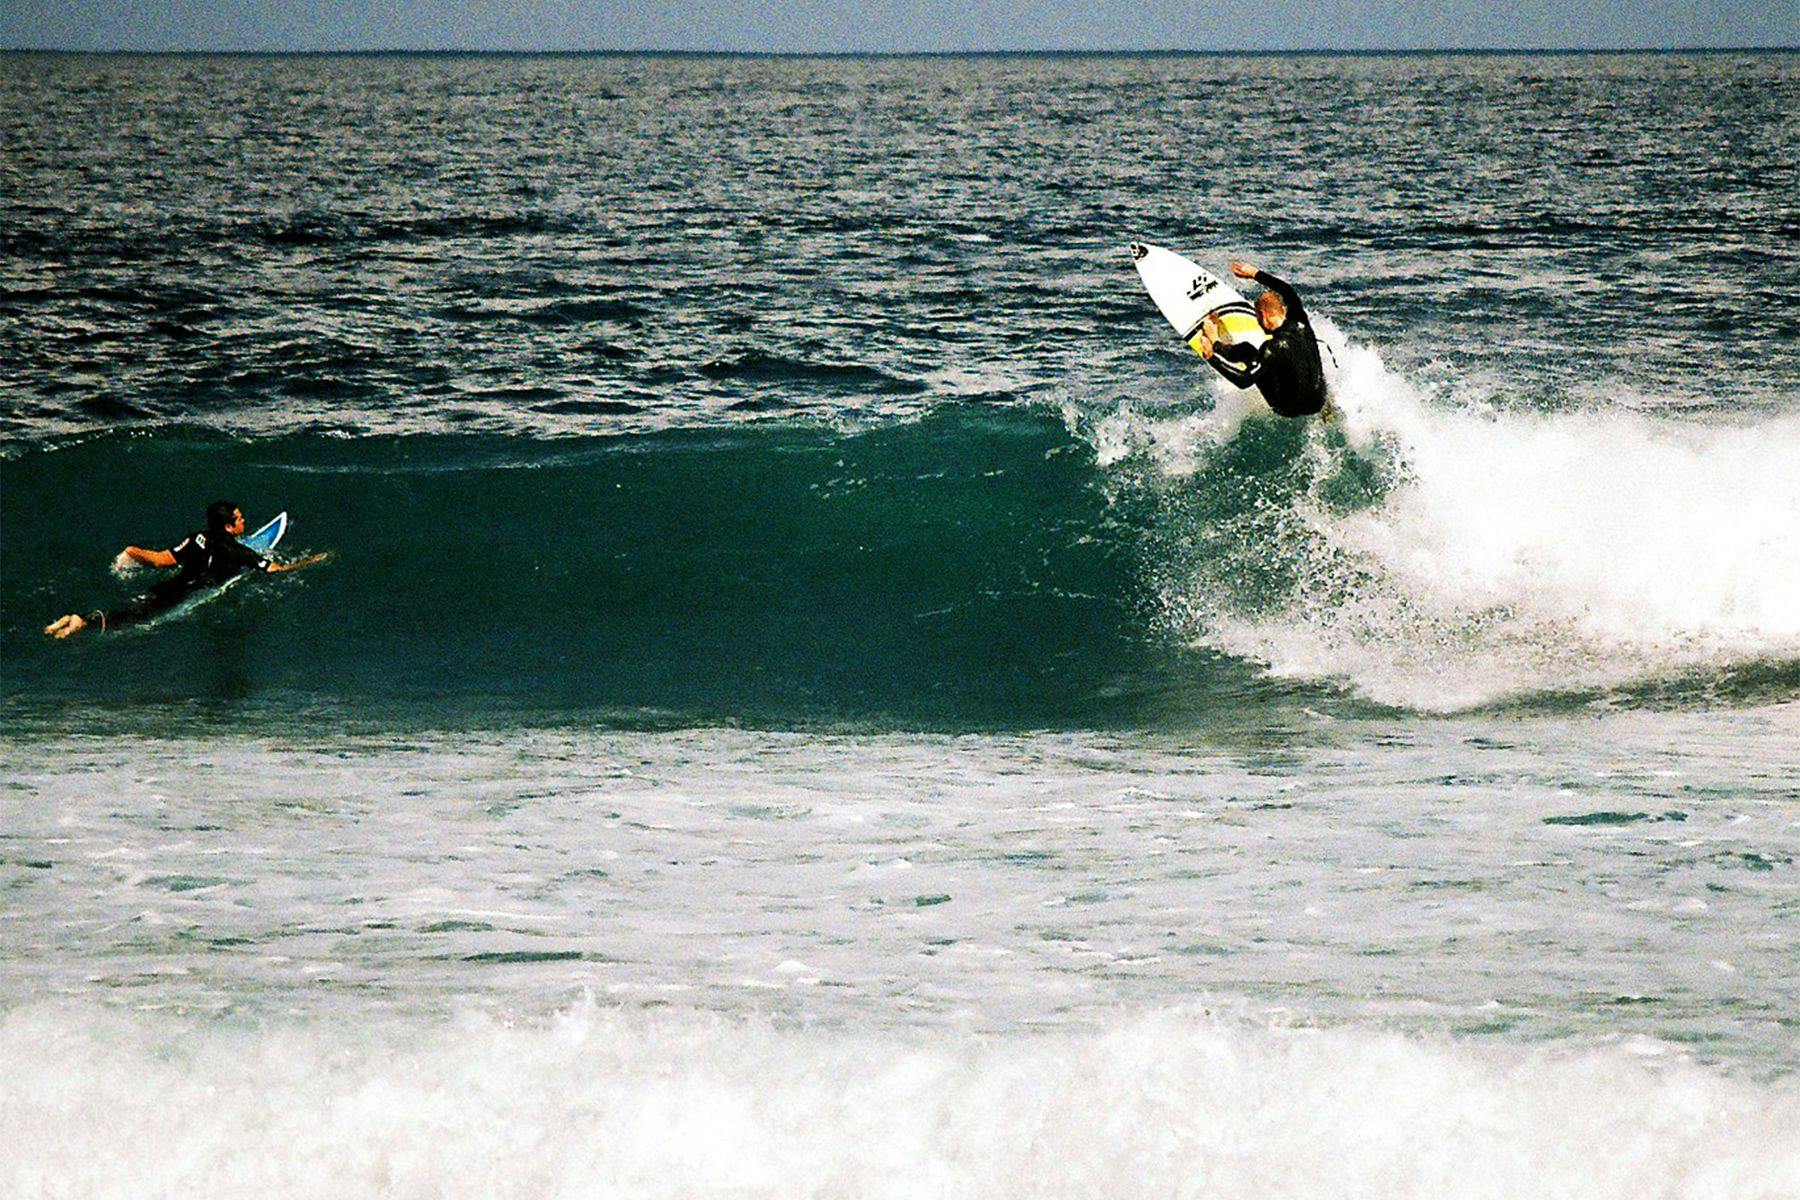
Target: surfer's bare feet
(62, 627)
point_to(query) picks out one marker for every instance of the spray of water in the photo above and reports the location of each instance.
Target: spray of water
(1440, 555)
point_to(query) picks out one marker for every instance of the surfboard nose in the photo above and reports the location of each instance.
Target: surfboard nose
(1138, 250)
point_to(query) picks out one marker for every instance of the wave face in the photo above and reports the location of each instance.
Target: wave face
(964, 569)
(980, 567)
(655, 389)
(1171, 1104)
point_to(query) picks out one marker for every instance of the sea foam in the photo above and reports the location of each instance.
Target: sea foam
(1512, 552)
(97, 1103)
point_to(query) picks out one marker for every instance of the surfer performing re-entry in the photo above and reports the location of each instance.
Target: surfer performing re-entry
(1270, 346)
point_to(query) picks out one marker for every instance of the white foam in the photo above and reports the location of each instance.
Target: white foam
(599, 1102)
(1524, 552)
(1174, 444)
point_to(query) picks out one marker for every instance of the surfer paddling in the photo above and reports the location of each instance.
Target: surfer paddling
(1286, 367)
(207, 558)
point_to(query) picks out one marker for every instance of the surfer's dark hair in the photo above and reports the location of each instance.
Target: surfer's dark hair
(218, 514)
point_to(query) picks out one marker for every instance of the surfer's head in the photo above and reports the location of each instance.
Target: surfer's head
(1270, 311)
(224, 516)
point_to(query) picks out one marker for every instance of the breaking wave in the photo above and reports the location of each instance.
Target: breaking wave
(633, 1104)
(1439, 556)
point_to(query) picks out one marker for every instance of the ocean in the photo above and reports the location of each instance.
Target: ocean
(816, 692)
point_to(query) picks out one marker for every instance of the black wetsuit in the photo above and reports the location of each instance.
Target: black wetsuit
(206, 559)
(1286, 368)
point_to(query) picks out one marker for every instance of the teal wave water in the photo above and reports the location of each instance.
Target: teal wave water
(974, 568)
(982, 567)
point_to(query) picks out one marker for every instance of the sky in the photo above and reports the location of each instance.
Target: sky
(883, 26)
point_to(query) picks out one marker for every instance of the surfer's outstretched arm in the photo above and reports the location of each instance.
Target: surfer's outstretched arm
(1281, 287)
(1284, 289)
(277, 567)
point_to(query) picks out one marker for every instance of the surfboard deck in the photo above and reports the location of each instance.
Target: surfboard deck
(269, 536)
(1187, 293)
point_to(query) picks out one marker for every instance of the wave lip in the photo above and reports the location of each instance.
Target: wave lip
(1174, 1103)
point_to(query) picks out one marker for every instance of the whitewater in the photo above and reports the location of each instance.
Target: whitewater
(1504, 554)
(1178, 1104)
(737, 964)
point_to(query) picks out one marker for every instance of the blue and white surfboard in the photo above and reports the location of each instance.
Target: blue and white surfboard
(268, 537)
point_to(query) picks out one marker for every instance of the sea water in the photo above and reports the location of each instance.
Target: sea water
(816, 693)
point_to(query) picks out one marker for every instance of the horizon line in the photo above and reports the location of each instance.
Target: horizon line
(1312, 52)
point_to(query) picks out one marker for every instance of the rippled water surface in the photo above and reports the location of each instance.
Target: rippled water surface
(568, 245)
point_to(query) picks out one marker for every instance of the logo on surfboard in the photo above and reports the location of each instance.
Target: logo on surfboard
(1204, 282)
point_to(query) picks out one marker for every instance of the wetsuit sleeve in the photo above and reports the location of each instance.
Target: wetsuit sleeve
(1237, 352)
(1238, 363)
(189, 553)
(1285, 290)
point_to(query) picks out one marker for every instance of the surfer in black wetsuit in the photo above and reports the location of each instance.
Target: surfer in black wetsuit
(1286, 368)
(207, 558)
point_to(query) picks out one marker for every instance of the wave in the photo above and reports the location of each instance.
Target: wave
(1442, 556)
(965, 569)
(983, 566)
(639, 1104)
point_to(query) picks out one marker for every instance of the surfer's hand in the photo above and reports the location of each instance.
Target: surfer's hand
(1243, 270)
(1206, 345)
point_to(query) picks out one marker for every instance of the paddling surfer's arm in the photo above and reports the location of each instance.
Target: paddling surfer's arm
(150, 558)
(239, 557)
(275, 568)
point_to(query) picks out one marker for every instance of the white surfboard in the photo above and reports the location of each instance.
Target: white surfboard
(1187, 294)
